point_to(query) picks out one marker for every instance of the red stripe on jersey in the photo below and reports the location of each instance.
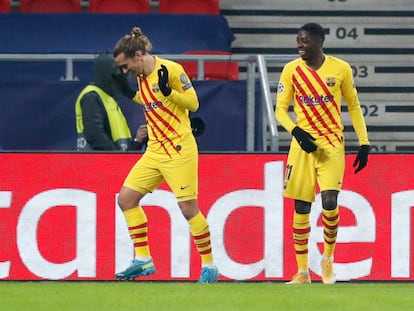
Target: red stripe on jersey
(315, 94)
(324, 107)
(304, 110)
(317, 114)
(326, 90)
(154, 99)
(162, 107)
(152, 123)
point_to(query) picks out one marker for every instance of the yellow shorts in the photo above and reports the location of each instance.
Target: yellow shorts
(180, 173)
(303, 170)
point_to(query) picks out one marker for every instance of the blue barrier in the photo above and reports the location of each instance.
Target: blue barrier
(40, 115)
(98, 33)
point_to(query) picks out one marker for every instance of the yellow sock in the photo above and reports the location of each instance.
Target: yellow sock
(138, 230)
(301, 230)
(330, 221)
(201, 235)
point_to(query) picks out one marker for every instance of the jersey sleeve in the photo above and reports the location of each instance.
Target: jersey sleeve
(182, 90)
(284, 97)
(354, 107)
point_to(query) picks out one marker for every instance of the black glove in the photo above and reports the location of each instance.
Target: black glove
(123, 85)
(163, 81)
(361, 159)
(198, 126)
(304, 139)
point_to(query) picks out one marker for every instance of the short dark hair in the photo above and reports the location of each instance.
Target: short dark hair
(315, 30)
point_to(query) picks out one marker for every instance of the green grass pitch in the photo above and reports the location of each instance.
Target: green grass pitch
(182, 296)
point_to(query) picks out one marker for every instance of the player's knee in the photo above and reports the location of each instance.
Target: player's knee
(189, 208)
(126, 201)
(122, 203)
(329, 199)
(302, 207)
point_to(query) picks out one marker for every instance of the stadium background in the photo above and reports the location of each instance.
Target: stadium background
(38, 120)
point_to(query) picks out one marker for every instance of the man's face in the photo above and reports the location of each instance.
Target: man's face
(130, 64)
(308, 47)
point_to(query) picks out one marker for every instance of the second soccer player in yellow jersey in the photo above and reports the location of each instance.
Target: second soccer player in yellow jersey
(316, 83)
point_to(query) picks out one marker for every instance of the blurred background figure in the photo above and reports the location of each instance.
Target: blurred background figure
(100, 122)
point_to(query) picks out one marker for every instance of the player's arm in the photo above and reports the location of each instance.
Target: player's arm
(283, 99)
(350, 94)
(282, 116)
(285, 93)
(354, 107)
(176, 85)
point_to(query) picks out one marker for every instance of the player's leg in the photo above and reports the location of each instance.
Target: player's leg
(330, 177)
(301, 230)
(330, 220)
(200, 232)
(300, 185)
(182, 177)
(141, 180)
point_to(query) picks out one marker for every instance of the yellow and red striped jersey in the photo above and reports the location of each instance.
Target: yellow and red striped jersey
(169, 128)
(317, 96)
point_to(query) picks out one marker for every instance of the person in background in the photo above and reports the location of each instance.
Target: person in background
(316, 83)
(167, 97)
(100, 122)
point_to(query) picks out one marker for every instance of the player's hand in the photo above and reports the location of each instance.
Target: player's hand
(198, 126)
(304, 139)
(123, 85)
(361, 159)
(141, 134)
(163, 81)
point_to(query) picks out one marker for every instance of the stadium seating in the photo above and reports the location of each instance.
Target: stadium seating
(374, 36)
(50, 6)
(189, 7)
(119, 6)
(4, 6)
(225, 70)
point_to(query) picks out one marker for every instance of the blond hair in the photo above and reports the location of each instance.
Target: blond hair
(135, 41)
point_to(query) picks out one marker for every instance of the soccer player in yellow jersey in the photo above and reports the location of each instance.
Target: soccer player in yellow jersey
(316, 82)
(166, 95)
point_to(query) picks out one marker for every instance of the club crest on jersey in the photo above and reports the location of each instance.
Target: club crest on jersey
(330, 81)
(155, 88)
